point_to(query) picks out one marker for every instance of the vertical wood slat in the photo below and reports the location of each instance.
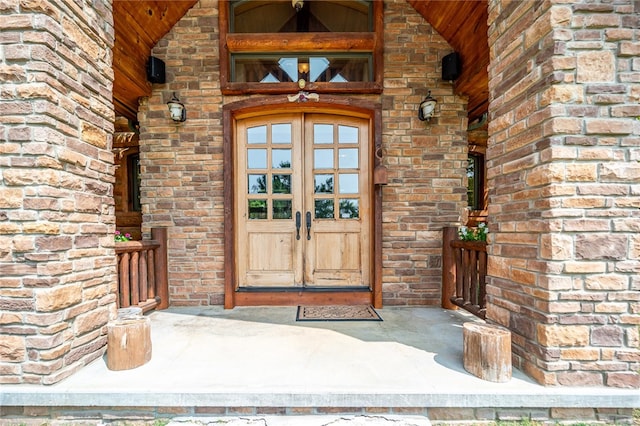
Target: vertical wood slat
(118, 280)
(466, 272)
(142, 272)
(448, 268)
(469, 275)
(151, 287)
(143, 275)
(135, 278)
(160, 258)
(473, 274)
(125, 287)
(482, 278)
(459, 275)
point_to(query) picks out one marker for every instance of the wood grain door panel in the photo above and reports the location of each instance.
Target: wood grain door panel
(303, 206)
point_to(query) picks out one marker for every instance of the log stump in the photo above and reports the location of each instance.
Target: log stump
(128, 340)
(487, 351)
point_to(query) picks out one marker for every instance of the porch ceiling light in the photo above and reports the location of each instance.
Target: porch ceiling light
(427, 108)
(177, 110)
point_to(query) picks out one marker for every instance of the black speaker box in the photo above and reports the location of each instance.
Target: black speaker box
(451, 66)
(155, 70)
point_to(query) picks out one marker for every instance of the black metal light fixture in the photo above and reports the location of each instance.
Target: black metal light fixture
(177, 110)
(427, 108)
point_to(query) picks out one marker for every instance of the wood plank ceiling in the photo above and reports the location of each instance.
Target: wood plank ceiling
(140, 24)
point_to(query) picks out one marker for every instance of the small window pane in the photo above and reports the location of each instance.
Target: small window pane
(281, 133)
(257, 209)
(348, 158)
(349, 208)
(347, 134)
(133, 164)
(281, 158)
(282, 209)
(348, 183)
(340, 68)
(324, 209)
(257, 135)
(323, 158)
(257, 159)
(257, 184)
(322, 133)
(475, 178)
(290, 68)
(323, 184)
(281, 184)
(335, 68)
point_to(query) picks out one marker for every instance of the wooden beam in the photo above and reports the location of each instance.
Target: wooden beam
(303, 42)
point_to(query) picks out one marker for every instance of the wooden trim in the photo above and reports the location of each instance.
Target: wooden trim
(161, 266)
(449, 234)
(378, 50)
(292, 298)
(377, 214)
(328, 104)
(223, 28)
(228, 125)
(281, 88)
(301, 42)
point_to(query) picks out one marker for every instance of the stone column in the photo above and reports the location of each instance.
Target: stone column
(564, 194)
(57, 263)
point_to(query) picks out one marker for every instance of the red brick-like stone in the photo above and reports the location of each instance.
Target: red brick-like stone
(623, 379)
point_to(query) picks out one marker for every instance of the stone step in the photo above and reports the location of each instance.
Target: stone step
(305, 420)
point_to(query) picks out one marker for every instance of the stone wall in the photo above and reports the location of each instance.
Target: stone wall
(427, 162)
(150, 415)
(57, 264)
(182, 181)
(181, 164)
(564, 196)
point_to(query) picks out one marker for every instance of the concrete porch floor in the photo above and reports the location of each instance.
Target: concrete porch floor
(262, 357)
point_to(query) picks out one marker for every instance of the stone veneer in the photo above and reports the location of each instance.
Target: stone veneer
(562, 166)
(57, 263)
(182, 180)
(446, 416)
(565, 188)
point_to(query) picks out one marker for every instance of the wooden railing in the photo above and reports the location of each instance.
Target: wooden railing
(142, 272)
(464, 272)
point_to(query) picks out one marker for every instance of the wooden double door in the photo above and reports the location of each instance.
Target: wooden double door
(303, 202)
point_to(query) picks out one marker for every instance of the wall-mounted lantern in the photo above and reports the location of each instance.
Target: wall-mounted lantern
(177, 110)
(427, 108)
(297, 4)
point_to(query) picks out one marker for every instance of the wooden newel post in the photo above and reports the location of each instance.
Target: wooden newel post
(449, 234)
(160, 261)
(487, 351)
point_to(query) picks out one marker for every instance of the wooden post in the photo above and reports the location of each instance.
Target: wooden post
(125, 282)
(449, 234)
(160, 261)
(128, 340)
(487, 351)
